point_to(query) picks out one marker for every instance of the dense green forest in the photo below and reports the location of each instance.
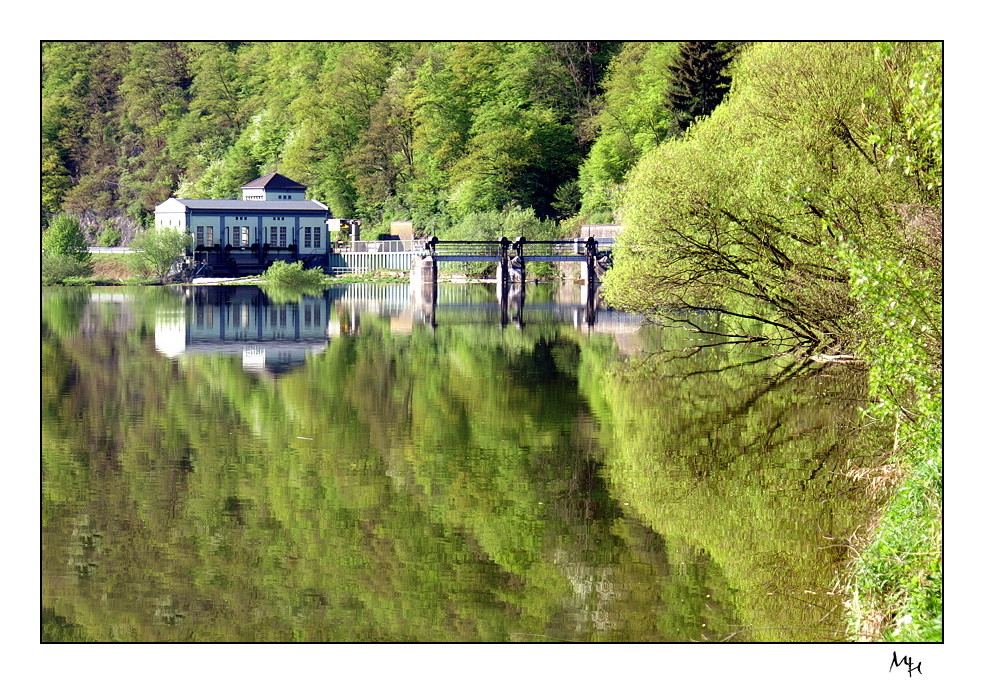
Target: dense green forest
(424, 131)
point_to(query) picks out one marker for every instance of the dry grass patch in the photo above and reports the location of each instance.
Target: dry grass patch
(112, 267)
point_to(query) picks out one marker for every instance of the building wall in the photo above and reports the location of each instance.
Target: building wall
(226, 228)
(264, 194)
(170, 219)
(312, 235)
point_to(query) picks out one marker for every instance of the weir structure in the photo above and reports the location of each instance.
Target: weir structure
(511, 257)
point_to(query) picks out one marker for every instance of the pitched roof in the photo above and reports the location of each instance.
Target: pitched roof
(274, 181)
(249, 205)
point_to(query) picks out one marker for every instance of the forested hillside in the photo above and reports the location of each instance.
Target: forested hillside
(380, 131)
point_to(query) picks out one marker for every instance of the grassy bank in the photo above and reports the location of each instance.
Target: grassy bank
(118, 269)
(897, 583)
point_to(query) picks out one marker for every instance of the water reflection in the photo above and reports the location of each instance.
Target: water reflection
(405, 482)
(273, 337)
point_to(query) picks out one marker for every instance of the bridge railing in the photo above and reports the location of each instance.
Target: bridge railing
(381, 246)
(535, 249)
(550, 247)
(466, 248)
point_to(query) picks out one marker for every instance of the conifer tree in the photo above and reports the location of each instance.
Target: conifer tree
(698, 81)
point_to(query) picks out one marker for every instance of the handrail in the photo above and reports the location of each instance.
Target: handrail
(504, 245)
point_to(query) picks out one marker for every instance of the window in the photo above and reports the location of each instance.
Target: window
(278, 236)
(317, 237)
(240, 316)
(307, 236)
(244, 236)
(204, 236)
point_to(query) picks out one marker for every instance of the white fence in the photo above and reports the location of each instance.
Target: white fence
(381, 246)
(366, 262)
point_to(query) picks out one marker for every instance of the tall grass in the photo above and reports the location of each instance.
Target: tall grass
(898, 578)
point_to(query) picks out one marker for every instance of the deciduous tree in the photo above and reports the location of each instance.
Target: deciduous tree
(158, 249)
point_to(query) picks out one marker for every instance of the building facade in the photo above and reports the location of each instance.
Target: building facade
(273, 221)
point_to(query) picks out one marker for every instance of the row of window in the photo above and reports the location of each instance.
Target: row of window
(205, 235)
(277, 316)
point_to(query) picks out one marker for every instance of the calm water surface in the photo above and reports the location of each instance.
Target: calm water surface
(220, 464)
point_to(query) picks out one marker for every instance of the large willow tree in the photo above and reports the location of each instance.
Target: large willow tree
(751, 211)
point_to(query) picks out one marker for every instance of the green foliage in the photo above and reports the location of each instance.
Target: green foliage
(64, 236)
(699, 80)
(291, 275)
(62, 268)
(376, 130)
(915, 140)
(158, 250)
(64, 251)
(110, 237)
(632, 119)
(903, 334)
(899, 575)
(897, 281)
(747, 212)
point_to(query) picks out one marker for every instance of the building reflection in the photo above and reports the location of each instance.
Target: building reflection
(273, 337)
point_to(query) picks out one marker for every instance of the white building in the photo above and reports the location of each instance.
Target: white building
(273, 221)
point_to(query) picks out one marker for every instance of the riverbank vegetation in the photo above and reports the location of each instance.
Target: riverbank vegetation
(795, 189)
(810, 204)
(64, 253)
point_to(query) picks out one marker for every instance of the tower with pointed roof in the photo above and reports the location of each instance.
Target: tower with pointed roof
(273, 187)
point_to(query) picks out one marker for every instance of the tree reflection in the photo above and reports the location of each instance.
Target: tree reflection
(463, 483)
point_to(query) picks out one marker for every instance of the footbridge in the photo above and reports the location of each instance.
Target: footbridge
(511, 257)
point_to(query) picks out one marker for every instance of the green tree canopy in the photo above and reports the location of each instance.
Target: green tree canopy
(64, 236)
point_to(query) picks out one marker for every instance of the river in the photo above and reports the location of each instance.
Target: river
(224, 464)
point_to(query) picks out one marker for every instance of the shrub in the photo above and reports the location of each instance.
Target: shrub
(64, 251)
(59, 268)
(64, 236)
(110, 237)
(158, 250)
(293, 275)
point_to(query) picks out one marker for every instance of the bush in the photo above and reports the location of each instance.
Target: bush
(59, 268)
(110, 237)
(158, 250)
(65, 237)
(64, 251)
(293, 275)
